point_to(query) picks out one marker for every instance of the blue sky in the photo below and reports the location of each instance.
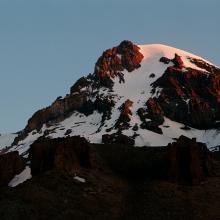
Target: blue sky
(45, 45)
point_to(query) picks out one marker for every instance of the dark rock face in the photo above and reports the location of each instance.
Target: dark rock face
(63, 154)
(201, 113)
(165, 60)
(177, 61)
(129, 183)
(114, 61)
(208, 67)
(124, 118)
(58, 111)
(11, 164)
(104, 105)
(68, 131)
(154, 110)
(81, 83)
(190, 96)
(154, 113)
(117, 138)
(188, 161)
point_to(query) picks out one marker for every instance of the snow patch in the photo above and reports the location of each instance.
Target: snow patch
(79, 179)
(20, 178)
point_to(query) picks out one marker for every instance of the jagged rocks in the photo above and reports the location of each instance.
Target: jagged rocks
(117, 138)
(56, 112)
(104, 105)
(131, 56)
(208, 67)
(178, 63)
(151, 117)
(11, 164)
(188, 161)
(59, 108)
(66, 155)
(124, 118)
(82, 83)
(154, 110)
(113, 61)
(190, 96)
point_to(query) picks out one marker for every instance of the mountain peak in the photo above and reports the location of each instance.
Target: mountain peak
(150, 94)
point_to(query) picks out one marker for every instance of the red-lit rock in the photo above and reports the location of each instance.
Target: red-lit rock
(178, 61)
(113, 61)
(190, 96)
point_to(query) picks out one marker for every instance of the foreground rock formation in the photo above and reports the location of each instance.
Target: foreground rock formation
(11, 164)
(189, 161)
(122, 174)
(65, 155)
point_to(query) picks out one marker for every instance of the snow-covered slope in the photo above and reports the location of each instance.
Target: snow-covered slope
(137, 87)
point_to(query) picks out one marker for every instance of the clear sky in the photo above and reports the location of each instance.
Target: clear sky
(45, 45)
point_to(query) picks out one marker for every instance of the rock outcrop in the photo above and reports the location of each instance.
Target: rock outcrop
(124, 118)
(104, 105)
(113, 61)
(117, 138)
(190, 96)
(178, 63)
(152, 116)
(188, 161)
(65, 155)
(11, 164)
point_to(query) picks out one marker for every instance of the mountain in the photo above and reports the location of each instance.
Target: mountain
(76, 159)
(147, 95)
